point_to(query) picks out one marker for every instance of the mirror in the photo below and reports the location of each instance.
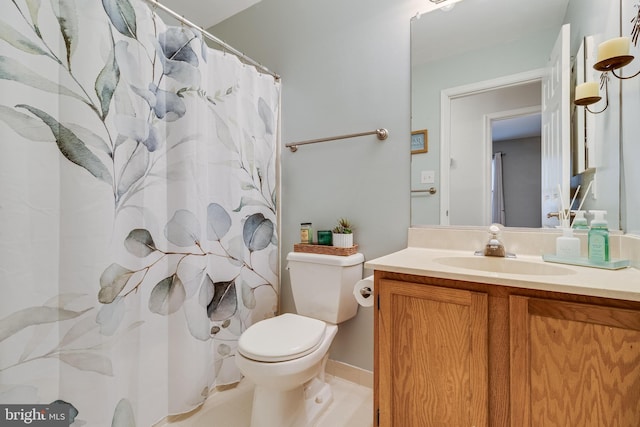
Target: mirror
(478, 74)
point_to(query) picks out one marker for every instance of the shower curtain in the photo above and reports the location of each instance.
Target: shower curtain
(497, 190)
(138, 215)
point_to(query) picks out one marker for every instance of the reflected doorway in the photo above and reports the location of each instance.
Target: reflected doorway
(516, 168)
(467, 148)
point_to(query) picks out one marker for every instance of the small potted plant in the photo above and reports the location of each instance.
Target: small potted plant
(343, 234)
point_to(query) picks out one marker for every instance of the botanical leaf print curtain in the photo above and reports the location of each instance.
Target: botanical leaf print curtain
(138, 219)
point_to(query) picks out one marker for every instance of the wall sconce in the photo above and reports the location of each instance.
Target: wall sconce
(589, 93)
(614, 54)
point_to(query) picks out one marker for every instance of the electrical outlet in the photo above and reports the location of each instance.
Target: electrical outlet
(427, 177)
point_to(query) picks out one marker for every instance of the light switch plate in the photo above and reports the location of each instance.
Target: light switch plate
(427, 177)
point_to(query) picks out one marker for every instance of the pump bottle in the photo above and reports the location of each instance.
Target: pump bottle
(580, 222)
(599, 238)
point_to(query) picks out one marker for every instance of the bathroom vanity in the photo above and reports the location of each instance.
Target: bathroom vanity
(480, 341)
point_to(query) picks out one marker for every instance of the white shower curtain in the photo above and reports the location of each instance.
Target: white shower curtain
(138, 211)
(497, 190)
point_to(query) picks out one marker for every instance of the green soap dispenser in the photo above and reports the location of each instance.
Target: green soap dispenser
(599, 238)
(580, 222)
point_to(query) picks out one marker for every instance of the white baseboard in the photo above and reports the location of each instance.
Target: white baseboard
(350, 373)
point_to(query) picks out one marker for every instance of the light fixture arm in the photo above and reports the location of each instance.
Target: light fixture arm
(604, 82)
(613, 71)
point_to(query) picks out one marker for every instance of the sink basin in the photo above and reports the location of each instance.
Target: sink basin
(504, 265)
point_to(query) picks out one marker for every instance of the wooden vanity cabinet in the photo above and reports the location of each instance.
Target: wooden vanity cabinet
(432, 356)
(574, 364)
(455, 353)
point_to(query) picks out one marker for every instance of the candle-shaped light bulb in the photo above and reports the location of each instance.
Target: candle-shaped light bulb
(613, 48)
(587, 93)
(613, 54)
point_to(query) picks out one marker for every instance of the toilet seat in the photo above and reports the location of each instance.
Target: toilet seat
(285, 337)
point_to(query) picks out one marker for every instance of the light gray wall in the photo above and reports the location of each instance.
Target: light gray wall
(521, 177)
(345, 69)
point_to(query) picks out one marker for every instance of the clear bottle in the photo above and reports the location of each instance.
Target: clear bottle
(494, 246)
(599, 238)
(580, 222)
(306, 233)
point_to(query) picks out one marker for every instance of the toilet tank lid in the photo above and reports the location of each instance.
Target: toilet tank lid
(343, 261)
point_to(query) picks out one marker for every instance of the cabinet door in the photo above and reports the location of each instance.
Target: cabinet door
(432, 356)
(574, 364)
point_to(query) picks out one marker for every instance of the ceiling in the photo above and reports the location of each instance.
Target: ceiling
(507, 18)
(515, 128)
(206, 13)
(480, 23)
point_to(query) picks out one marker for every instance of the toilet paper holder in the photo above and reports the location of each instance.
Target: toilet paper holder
(363, 291)
(366, 292)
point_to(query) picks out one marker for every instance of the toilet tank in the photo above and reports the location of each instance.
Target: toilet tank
(322, 285)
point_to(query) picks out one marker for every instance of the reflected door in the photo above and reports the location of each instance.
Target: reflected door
(556, 138)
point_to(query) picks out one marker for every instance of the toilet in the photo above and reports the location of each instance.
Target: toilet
(285, 356)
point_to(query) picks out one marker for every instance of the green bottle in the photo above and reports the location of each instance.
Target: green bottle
(580, 222)
(599, 238)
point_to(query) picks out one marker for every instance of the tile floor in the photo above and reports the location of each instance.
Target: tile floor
(352, 406)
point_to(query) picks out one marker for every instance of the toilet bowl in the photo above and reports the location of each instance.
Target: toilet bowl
(289, 389)
(285, 356)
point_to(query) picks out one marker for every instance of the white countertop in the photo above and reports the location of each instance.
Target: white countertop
(619, 284)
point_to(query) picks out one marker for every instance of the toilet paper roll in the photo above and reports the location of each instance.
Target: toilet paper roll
(363, 291)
